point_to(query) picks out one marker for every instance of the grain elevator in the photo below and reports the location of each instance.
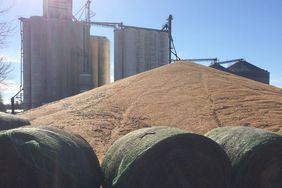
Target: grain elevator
(60, 58)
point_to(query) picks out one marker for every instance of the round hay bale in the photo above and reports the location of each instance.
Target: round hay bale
(47, 158)
(165, 157)
(8, 121)
(256, 155)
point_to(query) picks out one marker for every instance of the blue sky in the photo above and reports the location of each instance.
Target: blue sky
(226, 29)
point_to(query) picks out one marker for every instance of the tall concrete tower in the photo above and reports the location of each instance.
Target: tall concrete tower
(59, 9)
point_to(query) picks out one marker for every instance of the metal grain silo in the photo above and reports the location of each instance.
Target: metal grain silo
(163, 48)
(26, 62)
(138, 50)
(38, 57)
(130, 51)
(142, 64)
(151, 49)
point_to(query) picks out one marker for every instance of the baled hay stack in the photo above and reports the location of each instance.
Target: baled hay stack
(161, 157)
(8, 121)
(256, 156)
(46, 158)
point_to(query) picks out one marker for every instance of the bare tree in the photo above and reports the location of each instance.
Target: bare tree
(6, 29)
(5, 69)
(2, 105)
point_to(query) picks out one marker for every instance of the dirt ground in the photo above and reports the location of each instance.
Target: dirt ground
(184, 95)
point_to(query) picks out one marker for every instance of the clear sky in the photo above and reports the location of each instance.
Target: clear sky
(227, 29)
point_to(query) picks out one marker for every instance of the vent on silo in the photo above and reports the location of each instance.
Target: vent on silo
(57, 9)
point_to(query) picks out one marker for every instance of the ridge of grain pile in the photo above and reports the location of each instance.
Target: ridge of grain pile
(8, 121)
(183, 95)
(47, 158)
(165, 157)
(255, 154)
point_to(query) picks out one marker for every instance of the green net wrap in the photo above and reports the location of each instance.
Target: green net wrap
(256, 156)
(162, 157)
(46, 158)
(8, 121)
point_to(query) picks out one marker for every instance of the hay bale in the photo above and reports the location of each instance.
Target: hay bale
(8, 121)
(46, 158)
(256, 155)
(165, 157)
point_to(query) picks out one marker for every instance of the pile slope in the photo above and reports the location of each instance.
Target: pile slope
(183, 95)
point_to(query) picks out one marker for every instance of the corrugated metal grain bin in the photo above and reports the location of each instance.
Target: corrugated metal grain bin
(247, 70)
(139, 50)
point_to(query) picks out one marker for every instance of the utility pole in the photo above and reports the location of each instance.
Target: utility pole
(13, 105)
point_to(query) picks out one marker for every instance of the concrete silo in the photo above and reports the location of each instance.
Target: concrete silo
(100, 57)
(57, 49)
(94, 46)
(55, 55)
(118, 55)
(138, 50)
(57, 62)
(38, 59)
(104, 61)
(67, 59)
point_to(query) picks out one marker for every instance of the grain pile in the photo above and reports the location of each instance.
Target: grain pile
(183, 95)
(166, 157)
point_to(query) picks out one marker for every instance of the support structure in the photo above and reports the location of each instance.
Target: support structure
(21, 60)
(13, 101)
(166, 28)
(213, 60)
(230, 61)
(19, 93)
(170, 18)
